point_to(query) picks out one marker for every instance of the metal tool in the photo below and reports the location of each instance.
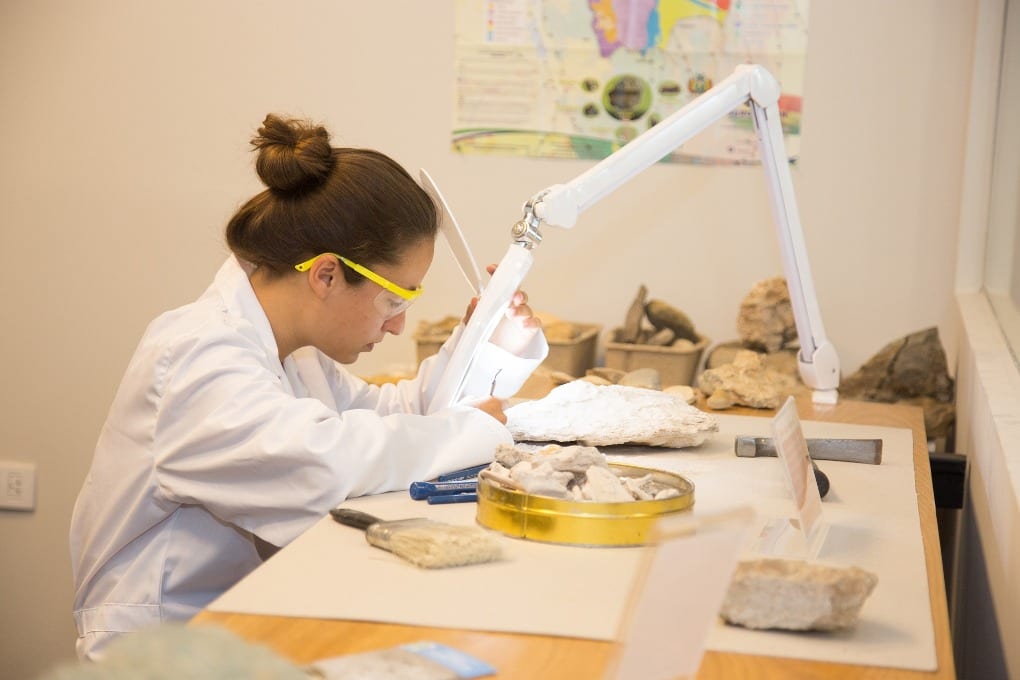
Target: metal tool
(846, 450)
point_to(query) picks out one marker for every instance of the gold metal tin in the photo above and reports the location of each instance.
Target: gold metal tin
(554, 520)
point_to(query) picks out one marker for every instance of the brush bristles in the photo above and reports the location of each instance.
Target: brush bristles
(439, 545)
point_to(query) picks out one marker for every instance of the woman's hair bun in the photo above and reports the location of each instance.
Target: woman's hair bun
(293, 154)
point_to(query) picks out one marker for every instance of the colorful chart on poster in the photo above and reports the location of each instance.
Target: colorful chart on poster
(581, 78)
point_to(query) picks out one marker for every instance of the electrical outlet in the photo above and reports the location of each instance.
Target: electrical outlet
(17, 485)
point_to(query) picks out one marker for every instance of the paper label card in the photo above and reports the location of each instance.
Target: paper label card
(677, 593)
(425, 660)
(792, 451)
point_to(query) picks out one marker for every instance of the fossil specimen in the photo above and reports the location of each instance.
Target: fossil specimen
(602, 415)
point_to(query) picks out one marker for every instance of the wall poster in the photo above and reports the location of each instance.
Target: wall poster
(580, 78)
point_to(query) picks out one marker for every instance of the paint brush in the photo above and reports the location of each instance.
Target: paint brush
(424, 542)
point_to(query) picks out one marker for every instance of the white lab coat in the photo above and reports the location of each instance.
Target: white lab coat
(212, 442)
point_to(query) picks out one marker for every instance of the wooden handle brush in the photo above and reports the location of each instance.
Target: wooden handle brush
(423, 542)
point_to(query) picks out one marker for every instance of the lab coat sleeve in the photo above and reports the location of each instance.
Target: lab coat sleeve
(493, 362)
(229, 438)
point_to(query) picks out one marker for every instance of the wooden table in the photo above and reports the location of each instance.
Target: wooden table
(534, 656)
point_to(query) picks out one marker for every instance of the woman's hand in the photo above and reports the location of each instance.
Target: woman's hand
(494, 407)
(518, 309)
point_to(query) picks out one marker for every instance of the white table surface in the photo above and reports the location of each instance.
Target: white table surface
(330, 572)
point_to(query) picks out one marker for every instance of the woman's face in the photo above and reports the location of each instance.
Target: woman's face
(354, 322)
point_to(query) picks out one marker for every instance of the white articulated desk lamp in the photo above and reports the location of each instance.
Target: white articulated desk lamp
(560, 204)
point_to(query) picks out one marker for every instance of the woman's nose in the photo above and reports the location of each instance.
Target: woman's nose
(395, 326)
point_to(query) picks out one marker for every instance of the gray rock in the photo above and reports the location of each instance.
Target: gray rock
(912, 366)
(912, 370)
(631, 329)
(664, 315)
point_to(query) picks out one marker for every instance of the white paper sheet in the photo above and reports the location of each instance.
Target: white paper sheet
(330, 572)
(675, 601)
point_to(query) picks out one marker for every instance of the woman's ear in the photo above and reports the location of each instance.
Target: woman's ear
(324, 275)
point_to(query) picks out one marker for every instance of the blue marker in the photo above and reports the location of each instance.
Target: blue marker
(422, 490)
(442, 499)
(466, 473)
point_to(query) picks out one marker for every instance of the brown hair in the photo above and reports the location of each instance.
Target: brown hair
(358, 203)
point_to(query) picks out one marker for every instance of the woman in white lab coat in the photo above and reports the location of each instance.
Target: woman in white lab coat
(234, 429)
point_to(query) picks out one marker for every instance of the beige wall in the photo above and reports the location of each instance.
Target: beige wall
(124, 144)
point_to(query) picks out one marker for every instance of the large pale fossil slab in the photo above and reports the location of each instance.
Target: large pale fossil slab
(604, 415)
(796, 595)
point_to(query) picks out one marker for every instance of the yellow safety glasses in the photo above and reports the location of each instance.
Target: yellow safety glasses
(392, 299)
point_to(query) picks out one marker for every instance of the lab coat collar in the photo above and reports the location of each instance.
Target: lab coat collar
(235, 289)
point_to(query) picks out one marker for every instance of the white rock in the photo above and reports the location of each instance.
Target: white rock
(603, 415)
(603, 486)
(685, 391)
(796, 595)
(541, 479)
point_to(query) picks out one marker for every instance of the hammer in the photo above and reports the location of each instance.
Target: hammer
(847, 450)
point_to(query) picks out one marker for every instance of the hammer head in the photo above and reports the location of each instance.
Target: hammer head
(746, 447)
(847, 450)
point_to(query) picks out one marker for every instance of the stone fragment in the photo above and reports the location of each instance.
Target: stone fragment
(508, 456)
(782, 361)
(683, 345)
(723, 353)
(574, 459)
(580, 473)
(796, 595)
(912, 366)
(686, 392)
(613, 375)
(746, 382)
(661, 315)
(765, 319)
(662, 338)
(939, 417)
(721, 399)
(541, 479)
(596, 380)
(561, 331)
(438, 330)
(647, 378)
(611, 414)
(601, 485)
(631, 329)
(560, 377)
